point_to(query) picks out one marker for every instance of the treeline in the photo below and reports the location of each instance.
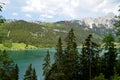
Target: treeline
(92, 63)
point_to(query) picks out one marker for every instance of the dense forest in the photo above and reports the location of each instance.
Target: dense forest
(92, 63)
(69, 64)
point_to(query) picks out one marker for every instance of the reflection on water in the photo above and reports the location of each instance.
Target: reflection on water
(34, 57)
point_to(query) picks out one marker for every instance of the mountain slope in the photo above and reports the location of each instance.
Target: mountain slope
(46, 34)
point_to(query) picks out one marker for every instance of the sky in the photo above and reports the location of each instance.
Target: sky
(55, 10)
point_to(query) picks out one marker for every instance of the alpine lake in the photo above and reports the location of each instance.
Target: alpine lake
(23, 58)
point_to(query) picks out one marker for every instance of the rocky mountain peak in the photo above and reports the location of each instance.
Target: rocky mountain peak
(107, 21)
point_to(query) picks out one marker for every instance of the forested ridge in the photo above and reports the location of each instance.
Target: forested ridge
(46, 34)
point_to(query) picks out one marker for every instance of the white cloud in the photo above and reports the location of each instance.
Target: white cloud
(15, 14)
(54, 7)
(70, 8)
(28, 15)
(47, 16)
(107, 6)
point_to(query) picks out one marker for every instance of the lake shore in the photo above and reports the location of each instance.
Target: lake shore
(17, 46)
(22, 46)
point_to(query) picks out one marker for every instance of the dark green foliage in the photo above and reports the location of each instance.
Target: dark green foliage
(118, 66)
(89, 59)
(56, 70)
(66, 65)
(108, 41)
(89, 65)
(117, 25)
(46, 65)
(56, 73)
(110, 56)
(59, 53)
(71, 57)
(30, 73)
(34, 77)
(8, 70)
(15, 73)
(100, 77)
(115, 77)
(2, 20)
(6, 66)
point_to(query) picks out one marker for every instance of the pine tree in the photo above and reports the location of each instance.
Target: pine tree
(7, 67)
(15, 72)
(71, 58)
(110, 56)
(59, 53)
(89, 59)
(117, 28)
(34, 76)
(28, 73)
(56, 70)
(56, 73)
(117, 25)
(1, 18)
(46, 65)
(66, 65)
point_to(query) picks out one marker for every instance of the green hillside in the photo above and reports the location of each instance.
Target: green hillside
(43, 34)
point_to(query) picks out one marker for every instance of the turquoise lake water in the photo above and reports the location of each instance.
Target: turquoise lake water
(35, 57)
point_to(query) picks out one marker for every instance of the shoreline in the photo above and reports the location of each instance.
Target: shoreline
(46, 48)
(26, 49)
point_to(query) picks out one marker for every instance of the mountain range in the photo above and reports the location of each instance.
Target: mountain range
(45, 34)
